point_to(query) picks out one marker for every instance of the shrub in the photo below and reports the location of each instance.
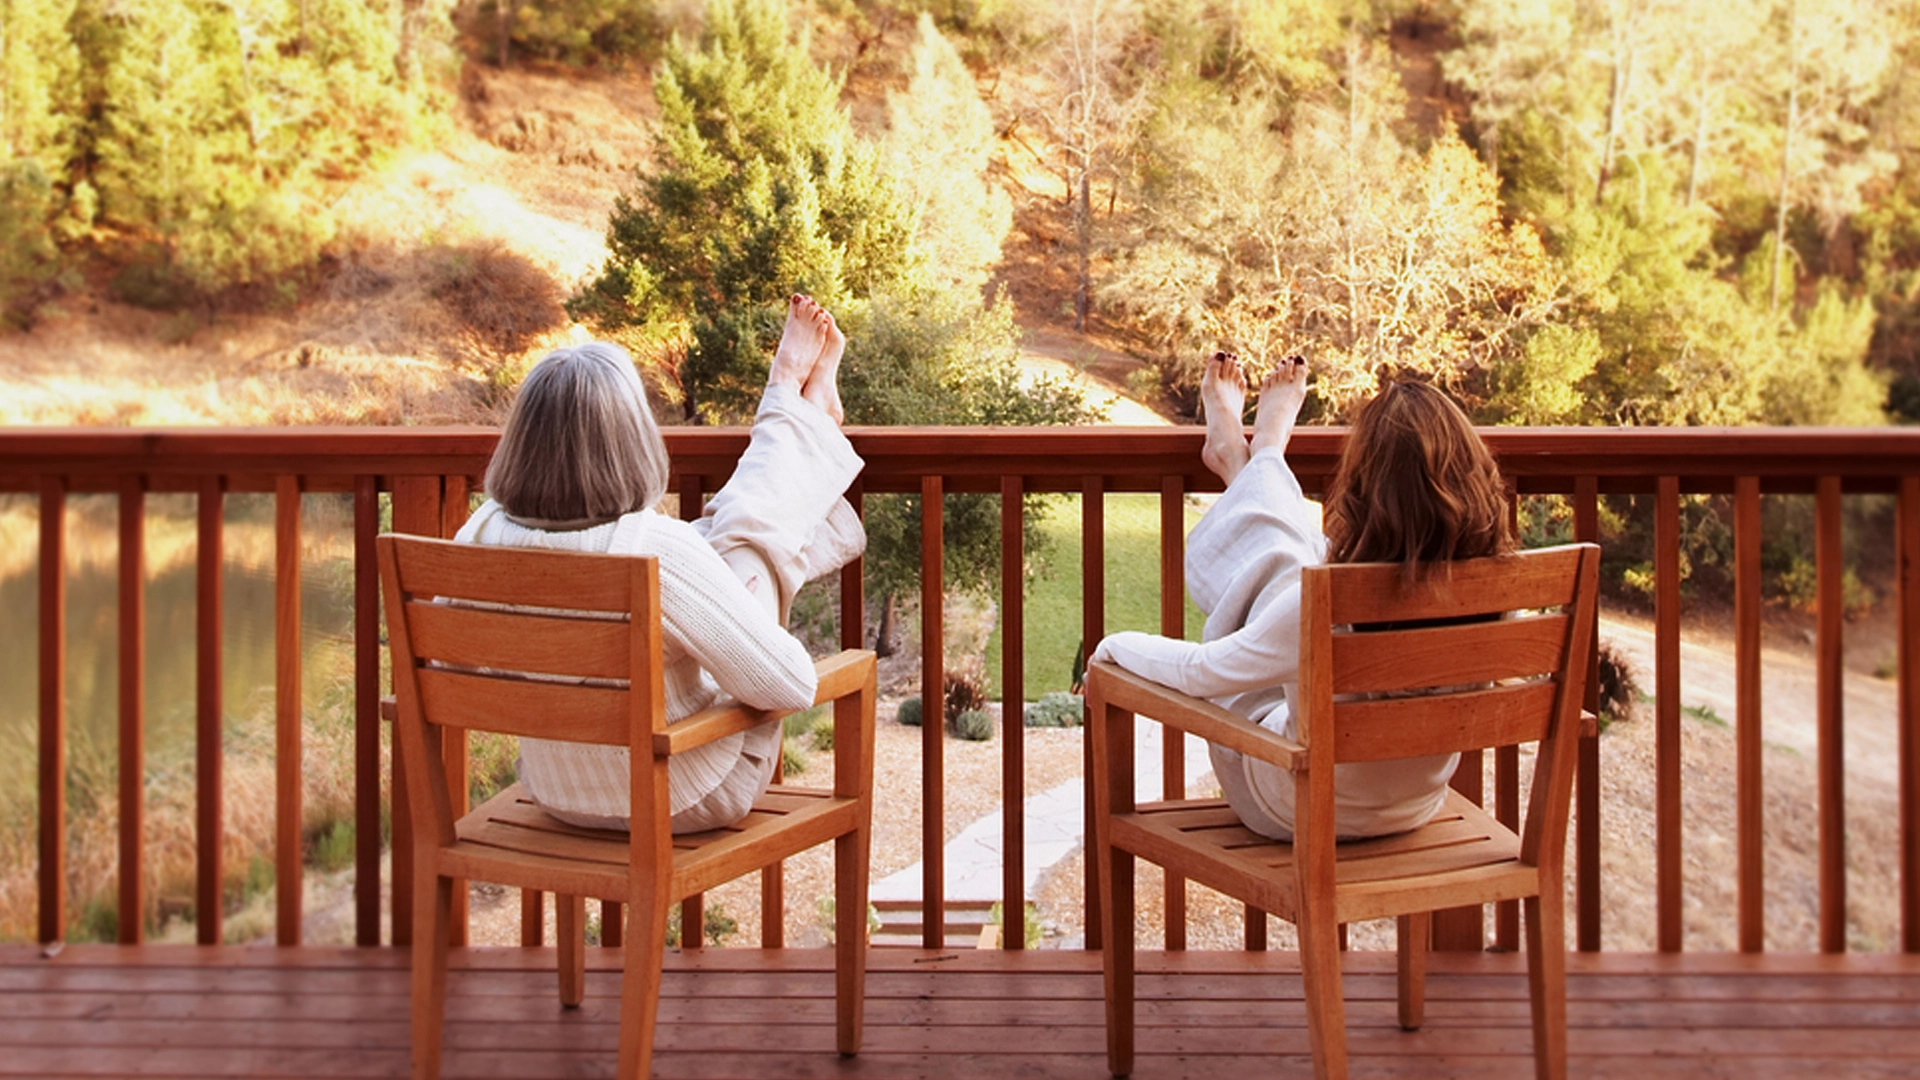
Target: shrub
(716, 924)
(1031, 929)
(974, 725)
(1619, 685)
(800, 723)
(1057, 709)
(962, 693)
(498, 295)
(822, 730)
(909, 713)
(331, 849)
(28, 261)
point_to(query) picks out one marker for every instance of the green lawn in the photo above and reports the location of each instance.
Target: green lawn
(1053, 604)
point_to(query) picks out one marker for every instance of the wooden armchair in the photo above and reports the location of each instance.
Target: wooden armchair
(567, 646)
(1386, 672)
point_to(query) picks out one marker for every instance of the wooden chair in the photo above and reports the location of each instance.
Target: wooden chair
(1386, 671)
(567, 646)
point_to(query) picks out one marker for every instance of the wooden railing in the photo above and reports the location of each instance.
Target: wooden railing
(428, 475)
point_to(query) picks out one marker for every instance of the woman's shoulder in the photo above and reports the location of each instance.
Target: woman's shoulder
(649, 532)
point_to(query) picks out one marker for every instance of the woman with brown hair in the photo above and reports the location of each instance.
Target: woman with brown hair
(1415, 485)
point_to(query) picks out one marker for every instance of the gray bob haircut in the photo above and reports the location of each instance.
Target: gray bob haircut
(580, 446)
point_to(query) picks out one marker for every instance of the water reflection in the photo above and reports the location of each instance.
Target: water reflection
(92, 650)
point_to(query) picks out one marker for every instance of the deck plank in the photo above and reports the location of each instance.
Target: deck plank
(190, 1011)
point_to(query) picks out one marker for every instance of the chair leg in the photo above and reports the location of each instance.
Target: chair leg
(432, 912)
(1412, 931)
(570, 933)
(1547, 981)
(1326, 1010)
(850, 937)
(1117, 965)
(646, 947)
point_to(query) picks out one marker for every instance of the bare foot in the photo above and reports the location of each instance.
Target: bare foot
(823, 385)
(1223, 397)
(800, 343)
(1281, 395)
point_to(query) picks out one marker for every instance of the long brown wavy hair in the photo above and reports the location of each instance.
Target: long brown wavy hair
(1415, 485)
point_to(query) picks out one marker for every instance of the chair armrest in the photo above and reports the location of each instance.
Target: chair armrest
(843, 673)
(839, 675)
(1196, 716)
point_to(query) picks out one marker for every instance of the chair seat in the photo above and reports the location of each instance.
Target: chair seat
(511, 841)
(1463, 847)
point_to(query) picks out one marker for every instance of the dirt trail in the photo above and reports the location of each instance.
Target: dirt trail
(1789, 684)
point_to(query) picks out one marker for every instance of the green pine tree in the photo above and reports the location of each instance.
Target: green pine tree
(759, 188)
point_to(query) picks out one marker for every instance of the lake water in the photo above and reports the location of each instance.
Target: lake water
(92, 686)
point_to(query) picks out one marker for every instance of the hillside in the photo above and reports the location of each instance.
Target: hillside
(446, 279)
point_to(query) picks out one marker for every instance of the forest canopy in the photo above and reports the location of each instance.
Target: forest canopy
(1563, 211)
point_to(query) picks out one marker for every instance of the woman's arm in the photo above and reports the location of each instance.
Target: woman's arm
(1262, 653)
(709, 613)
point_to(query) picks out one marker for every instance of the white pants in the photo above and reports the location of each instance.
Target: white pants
(779, 521)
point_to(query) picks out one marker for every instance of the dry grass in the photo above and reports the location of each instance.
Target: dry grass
(168, 844)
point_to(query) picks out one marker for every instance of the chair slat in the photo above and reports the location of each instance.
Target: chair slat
(524, 641)
(525, 576)
(1372, 662)
(517, 706)
(1385, 728)
(1378, 593)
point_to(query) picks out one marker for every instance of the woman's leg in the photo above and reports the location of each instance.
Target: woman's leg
(781, 518)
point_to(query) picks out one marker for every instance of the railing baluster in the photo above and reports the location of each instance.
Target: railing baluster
(933, 802)
(853, 625)
(1747, 730)
(1013, 731)
(1833, 766)
(286, 745)
(853, 593)
(1666, 680)
(133, 721)
(533, 918)
(1463, 929)
(1173, 624)
(1506, 810)
(53, 708)
(1586, 841)
(693, 909)
(456, 745)
(366, 712)
(208, 758)
(1093, 622)
(1908, 717)
(416, 511)
(1506, 786)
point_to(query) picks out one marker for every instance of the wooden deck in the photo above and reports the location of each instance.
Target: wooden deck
(189, 1011)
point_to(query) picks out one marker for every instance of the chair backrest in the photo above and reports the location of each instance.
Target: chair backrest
(1474, 654)
(558, 645)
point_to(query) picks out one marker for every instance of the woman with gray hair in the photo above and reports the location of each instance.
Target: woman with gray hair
(579, 467)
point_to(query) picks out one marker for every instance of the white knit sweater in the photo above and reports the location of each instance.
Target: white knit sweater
(719, 644)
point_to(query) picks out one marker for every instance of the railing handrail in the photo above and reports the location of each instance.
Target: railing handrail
(1052, 459)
